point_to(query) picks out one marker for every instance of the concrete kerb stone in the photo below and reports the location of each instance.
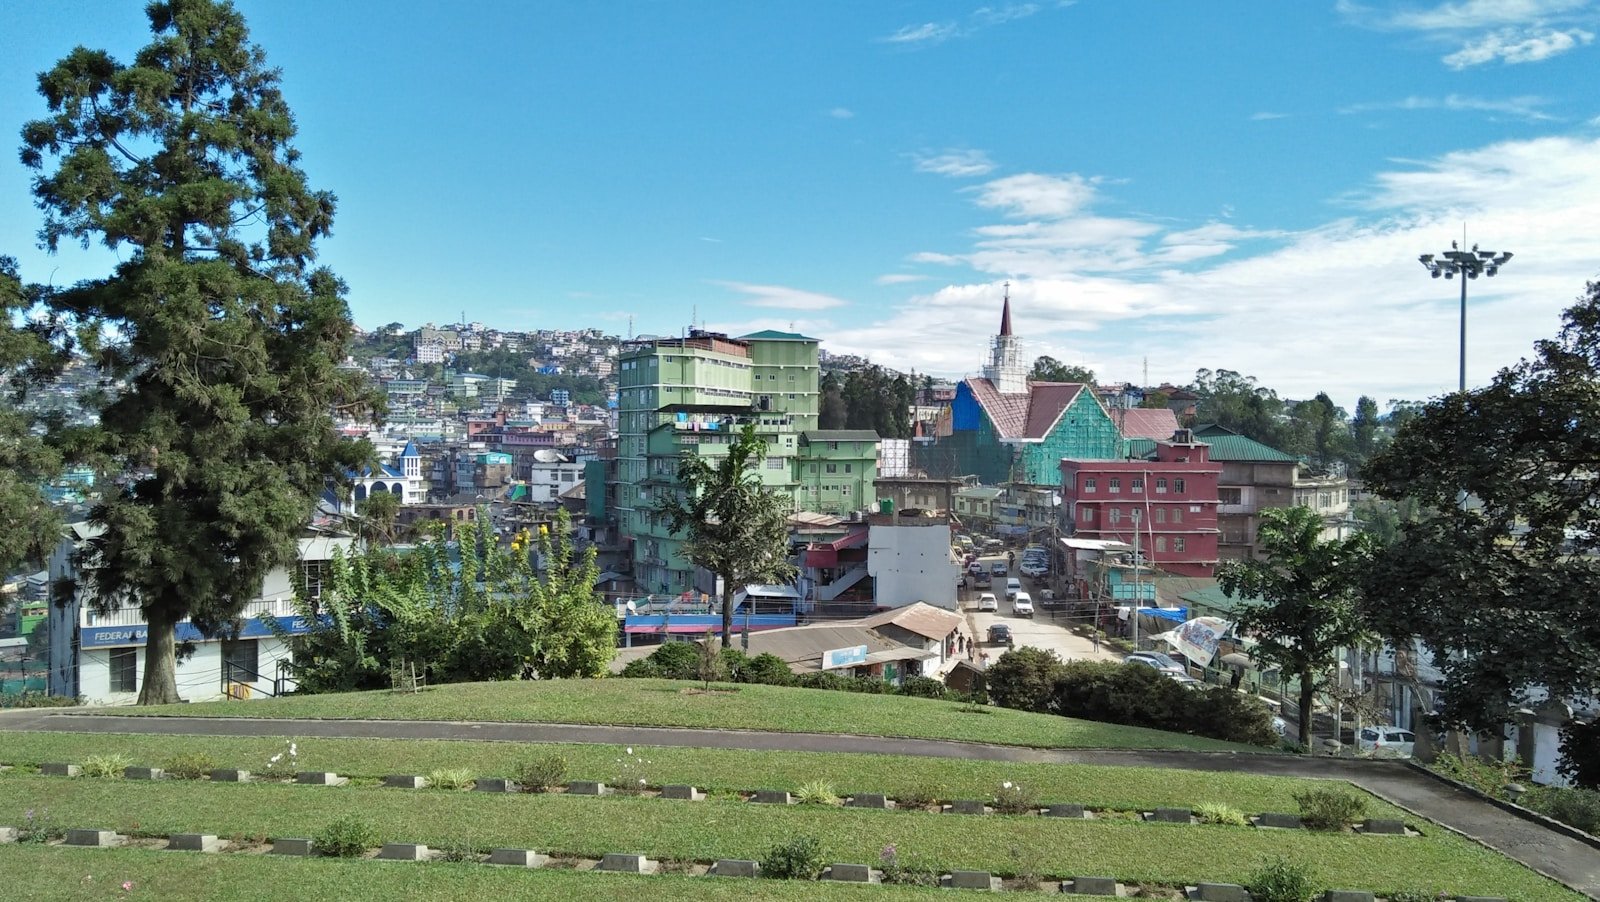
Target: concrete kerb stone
(682, 793)
(1062, 809)
(290, 847)
(869, 800)
(1383, 827)
(493, 784)
(228, 775)
(586, 788)
(60, 770)
(95, 838)
(1273, 820)
(622, 863)
(194, 842)
(1218, 892)
(1092, 886)
(320, 778)
(771, 797)
(519, 858)
(9, 834)
(405, 781)
(143, 773)
(981, 880)
(852, 873)
(1480, 899)
(1170, 816)
(1348, 895)
(735, 867)
(404, 851)
(967, 806)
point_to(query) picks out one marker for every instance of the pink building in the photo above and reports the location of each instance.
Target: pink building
(1170, 499)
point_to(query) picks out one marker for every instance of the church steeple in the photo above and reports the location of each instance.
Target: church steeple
(1005, 369)
(1005, 314)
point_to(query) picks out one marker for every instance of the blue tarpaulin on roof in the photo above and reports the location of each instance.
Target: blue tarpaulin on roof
(1176, 615)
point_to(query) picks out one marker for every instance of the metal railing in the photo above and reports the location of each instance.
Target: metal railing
(132, 616)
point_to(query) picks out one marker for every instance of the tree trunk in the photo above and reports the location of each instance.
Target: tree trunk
(727, 611)
(1307, 695)
(160, 662)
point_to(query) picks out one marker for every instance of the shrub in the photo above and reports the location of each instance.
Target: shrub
(708, 662)
(458, 851)
(1329, 809)
(922, 796)
(816, 792)
(347, 837)
(1414, 895)
(768, 669)
(1222, 713)
(1216, 813)
(907, 872)
(542, 773)
(1574, 807)
(190, 766)
(450, 778)
(1487, 777)
(33, 699)
(869, 685)
(109, 766)
(1024, 678)
(823, 679)
(733, 663)
(922, 687)
(677, 660)
(642, 669)
(798, 859)
(38, 827)
(1014, 798)
(1283, 881)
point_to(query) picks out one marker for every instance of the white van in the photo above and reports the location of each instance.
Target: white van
(1022, 605)
(1013, 586)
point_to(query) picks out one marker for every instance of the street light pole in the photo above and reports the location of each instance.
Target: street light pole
(1468, 265)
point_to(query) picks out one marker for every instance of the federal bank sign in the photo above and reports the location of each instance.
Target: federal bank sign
(111, 636)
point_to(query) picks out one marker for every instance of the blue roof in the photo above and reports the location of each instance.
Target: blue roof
(410, 450)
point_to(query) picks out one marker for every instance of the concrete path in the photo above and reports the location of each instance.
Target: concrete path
(1561, 857)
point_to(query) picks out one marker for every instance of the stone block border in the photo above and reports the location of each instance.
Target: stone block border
(194, 842)
(1092, 886)
(624, 863)
(519, 858)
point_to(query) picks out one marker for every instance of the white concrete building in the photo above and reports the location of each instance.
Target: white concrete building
(550, 474)
(100, 658)
(909, 561)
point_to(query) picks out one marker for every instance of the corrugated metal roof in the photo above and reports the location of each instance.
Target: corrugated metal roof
(921, 618)
(1226, 446)
(1029, 415)
(1144, 423)
(775, 335)
(840, 435)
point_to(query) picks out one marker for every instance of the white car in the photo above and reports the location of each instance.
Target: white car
(1035, 568)
(1184, 680)
(987, 602)
(1013, 586)
(1156, 660)
(1022, 605)
(1386, 742)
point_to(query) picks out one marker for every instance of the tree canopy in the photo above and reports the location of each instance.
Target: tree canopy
(1302, 603)
(27, 356)
(221, 339)
(1495, 576)
(1049, 369)
(731, 524)
(868, 398)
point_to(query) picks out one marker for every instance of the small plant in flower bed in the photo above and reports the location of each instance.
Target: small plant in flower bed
(631, 772)
(458, 850)
(1415, 895)
(347, 837)
(1014, 798)
(285, 763)
(1216, 813)
(37, 827)
(450, 778)
(920, 797)
(1329, 809)
(190, 766)
(905, 871)
(798, 859)
(1572, 806)
(817, 792)
(542, 773)
(1282, 880)
(107, 766)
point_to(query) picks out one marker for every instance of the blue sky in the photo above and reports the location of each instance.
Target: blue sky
(1241, 185)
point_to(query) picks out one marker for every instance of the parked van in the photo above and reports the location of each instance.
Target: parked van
(1022, 605)
(1013, 587)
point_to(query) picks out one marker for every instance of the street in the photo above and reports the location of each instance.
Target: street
(1038, 631)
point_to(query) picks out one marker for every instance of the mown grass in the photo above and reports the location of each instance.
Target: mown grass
(669, 703)
(725, 770)
(39, 873)
(714, 829)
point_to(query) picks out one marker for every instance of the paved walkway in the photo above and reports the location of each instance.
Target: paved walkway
(1575, 863)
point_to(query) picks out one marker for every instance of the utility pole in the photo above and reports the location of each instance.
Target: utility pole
(1468, 265)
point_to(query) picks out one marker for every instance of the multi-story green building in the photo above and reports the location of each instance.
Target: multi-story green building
(692, 395)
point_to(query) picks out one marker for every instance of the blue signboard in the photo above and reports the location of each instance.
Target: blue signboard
(844, 657)
(108, 636)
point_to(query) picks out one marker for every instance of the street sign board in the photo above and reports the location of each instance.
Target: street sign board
(844, 657)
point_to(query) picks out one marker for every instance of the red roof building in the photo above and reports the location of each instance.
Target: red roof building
(1169, 500)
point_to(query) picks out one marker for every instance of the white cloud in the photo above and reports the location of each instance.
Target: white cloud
(1524, 107)
(899, 278)
(840, 112)
(1516, 46)
(1473, 14)
(782, 297)
(956, 163)
(1033, 194)
(926, 33)
(1342, 307)
(1267, 117)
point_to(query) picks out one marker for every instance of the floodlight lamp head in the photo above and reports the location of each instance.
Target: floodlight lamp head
(1435, 272)
(1505, 257)
(1449, 274)
(1492, 270)
(1427, 259)
(1472, 273)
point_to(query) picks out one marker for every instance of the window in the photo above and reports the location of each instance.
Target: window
(1177, 543)
(311, 573)
(1086, 514)
(1161, 515)
(1230, 496)
(844, 490)
(1114, 485)
(1088, 486)
(1161, 486)
(774, 463)
(1177, 515)
(847, 468)
(1177, 486)
(1136, 485)
(241, 660)
(831, 468)
(791, 377)
(1114, 516)
(124, 670)
(1161, 543)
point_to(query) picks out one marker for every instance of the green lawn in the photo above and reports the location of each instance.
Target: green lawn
(725, 829)
(1122, 788)
(47, 874)
(666, 703)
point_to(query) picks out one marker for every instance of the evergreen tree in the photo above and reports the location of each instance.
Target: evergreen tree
(27, 356)
(220, 365)
(1049, 369)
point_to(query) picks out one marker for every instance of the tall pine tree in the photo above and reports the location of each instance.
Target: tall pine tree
(222, 337)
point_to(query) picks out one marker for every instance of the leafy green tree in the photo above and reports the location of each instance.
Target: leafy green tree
(1155, 400)
(376, 520)
(575, 628)
(1049, 369)
(1496, 577)
(1303, 602)
(831, 412)
(1239, 403)
(1365, 431)
(1318, 430)
(223, 341)
(731, 524)
(27, 357)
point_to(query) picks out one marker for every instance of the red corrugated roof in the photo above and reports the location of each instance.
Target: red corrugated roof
(1157, 424)
(1025, 415)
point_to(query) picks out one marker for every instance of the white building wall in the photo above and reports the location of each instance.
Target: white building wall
(910, 564)
(199, 677)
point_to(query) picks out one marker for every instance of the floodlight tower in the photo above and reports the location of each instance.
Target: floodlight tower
(1468, 265)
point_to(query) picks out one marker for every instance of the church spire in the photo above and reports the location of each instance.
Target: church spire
(1005, 367)
(1005, 313)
